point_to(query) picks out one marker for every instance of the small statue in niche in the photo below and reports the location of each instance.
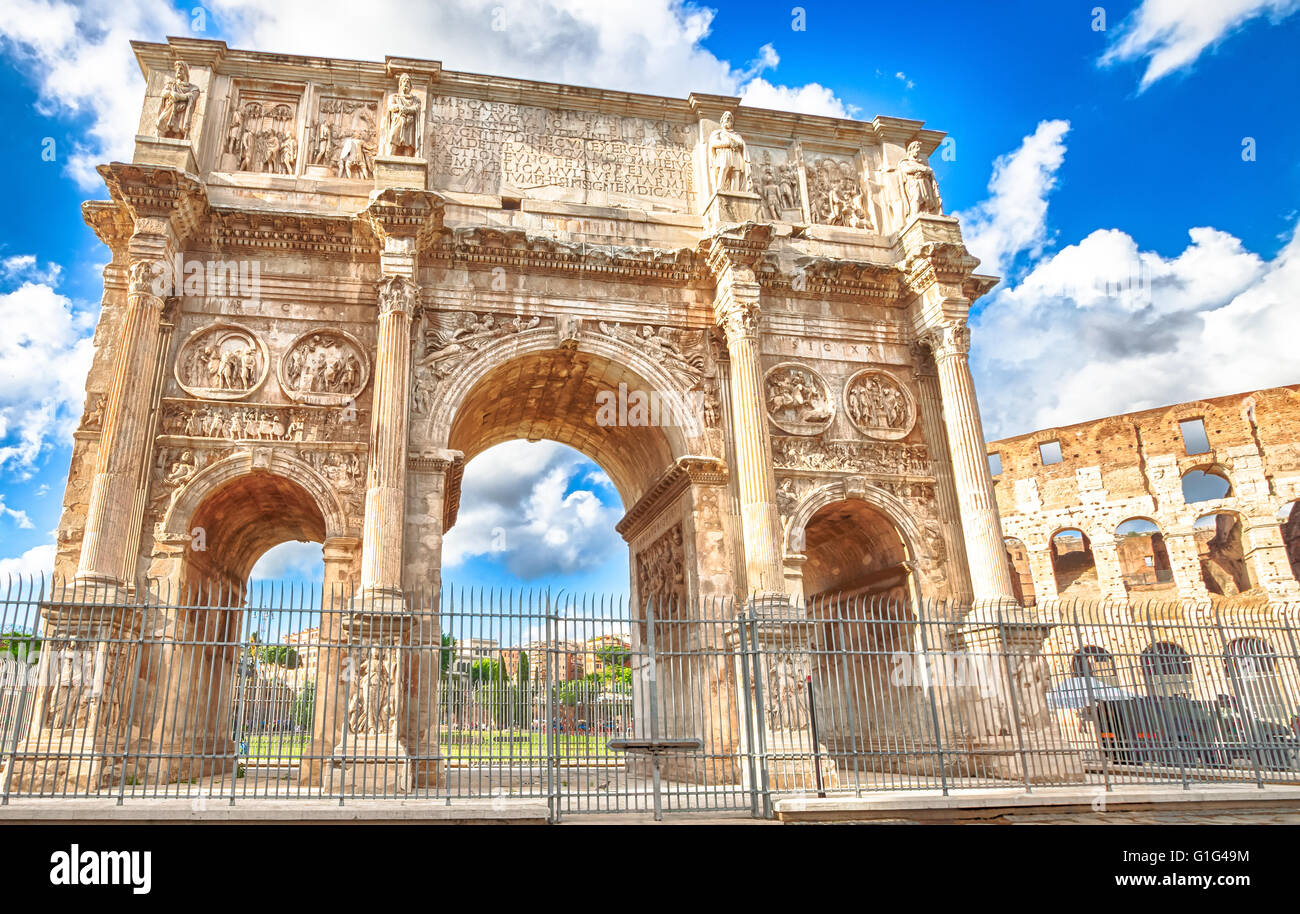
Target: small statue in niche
(403, 119)
(727, 156)
(178, 98)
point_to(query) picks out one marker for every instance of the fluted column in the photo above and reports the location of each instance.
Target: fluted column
(381, 551)
(124, 428)
(981, 526)
(737, 310)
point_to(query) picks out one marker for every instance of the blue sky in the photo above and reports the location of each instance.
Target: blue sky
(1155, 156)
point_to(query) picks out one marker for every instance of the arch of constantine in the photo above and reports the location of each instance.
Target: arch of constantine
(334, 282)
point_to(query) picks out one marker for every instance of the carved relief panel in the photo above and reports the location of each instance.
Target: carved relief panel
(325, 368)
(879, 405)
(835, 192)
(221, 362)
(661, 572)
(798, 399)
(774, 176)
(343, 138)
(262, 132)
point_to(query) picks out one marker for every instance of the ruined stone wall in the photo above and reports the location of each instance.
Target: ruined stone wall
(1133, 466)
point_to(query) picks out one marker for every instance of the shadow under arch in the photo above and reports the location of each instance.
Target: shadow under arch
(241, 506)
(532, 386)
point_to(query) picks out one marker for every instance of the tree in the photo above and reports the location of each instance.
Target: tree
(448, 654)
(22, 645)
(615, 655)
(280, 655)
(304, 706)
(486, 670)
(521, 676)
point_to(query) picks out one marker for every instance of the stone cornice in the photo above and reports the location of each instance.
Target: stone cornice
(485, 246)
(937, 262)
(685, 472)
(110, 221)
(739, 246)
(397, 213)
(156, 192)
(828, 276)
(289, 232)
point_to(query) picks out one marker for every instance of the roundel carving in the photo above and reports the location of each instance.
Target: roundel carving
(798, 399)
(222, 362)
(324, 368)
(879, 405)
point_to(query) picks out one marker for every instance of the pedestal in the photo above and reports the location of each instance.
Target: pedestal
(369, 764)
(731, 207)
(1011, 731)
(169, 153)
(794, 754)
(401, 172)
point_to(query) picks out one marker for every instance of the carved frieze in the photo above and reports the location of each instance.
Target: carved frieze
(889, 458)
(495, 147)
(879, 405)
(325, 368)
(798, 399)
(222, 362)
(260, 422)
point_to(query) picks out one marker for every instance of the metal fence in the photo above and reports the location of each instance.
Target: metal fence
(594, 705)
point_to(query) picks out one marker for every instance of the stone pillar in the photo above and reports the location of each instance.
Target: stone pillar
(1185, 564)
(1110, 575)
(736, 309)
(981, 526)
(1043, 572)
(125, 427)
(342, 562)
(1267, 563)
(381, 555)
(932, 426)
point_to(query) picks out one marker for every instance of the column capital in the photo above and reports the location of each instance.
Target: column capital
(947, 339)
(146, 281)
(737, 250)
(397, 294)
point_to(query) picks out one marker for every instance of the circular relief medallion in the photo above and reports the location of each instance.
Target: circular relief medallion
(798, 399)
(222, 362)
(324, 368)
(879, 405)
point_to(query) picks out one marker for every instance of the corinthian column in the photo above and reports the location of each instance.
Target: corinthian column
(981, 526)
(736, 309)
(124, 429)
(381, 551)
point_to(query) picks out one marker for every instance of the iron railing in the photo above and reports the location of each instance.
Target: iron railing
(595, 705)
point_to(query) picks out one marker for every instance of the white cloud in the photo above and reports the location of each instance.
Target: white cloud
(1013, 218)
(20, 518)
(44, 356)
(290, 560)
(1171, 34)
(515, 508)
(37, 561)
(1103, 327)
(80, 60)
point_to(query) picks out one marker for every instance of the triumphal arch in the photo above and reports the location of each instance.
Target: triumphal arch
(334, 282)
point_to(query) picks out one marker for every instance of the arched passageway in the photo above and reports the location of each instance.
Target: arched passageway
(1143, 557)
(1222, 556)
(1073, 564)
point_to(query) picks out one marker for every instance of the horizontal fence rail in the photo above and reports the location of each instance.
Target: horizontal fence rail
(597, 705)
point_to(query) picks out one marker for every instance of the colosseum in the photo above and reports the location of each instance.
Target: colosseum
(1188, 502)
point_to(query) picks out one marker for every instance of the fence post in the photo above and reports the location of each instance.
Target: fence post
(1236, 694)
(130, 713)
(746, 707)
(934, 707)
(552, 712)
(1011, 692)
(760, 710)
(1087, 682)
